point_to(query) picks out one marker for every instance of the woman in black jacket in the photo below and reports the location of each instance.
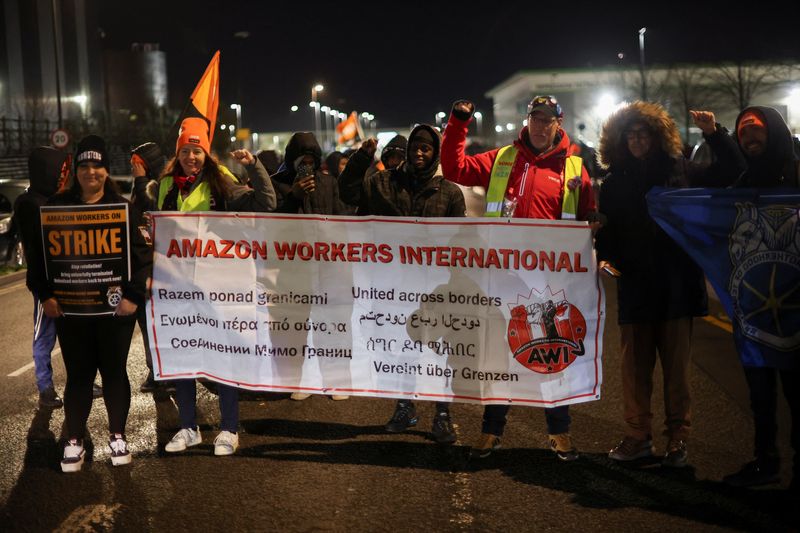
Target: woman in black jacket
(659, 289)
(97, 342)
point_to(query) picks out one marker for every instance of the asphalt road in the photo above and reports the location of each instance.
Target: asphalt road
(320, 465)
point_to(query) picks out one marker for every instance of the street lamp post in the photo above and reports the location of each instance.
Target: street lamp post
(324, 140)
(238, 109)
(642, 31)
(334, 114)
(479, 123)
(317, 88)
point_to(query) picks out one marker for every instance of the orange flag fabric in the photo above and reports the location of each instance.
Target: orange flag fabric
(205, 98)
(349, 129)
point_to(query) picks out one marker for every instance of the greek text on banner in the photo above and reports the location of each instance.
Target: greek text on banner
(468, 310)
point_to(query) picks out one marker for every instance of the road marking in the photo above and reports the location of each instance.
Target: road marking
(20, 371)
(12, 288)
(719, 323)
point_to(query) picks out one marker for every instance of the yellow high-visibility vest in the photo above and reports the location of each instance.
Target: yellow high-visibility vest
(501, 171)
(198, 200)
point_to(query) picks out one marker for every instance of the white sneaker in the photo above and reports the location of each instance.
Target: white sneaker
(74, 453)
(300, 396)
(226, 443)
(120, 454)
(183, 439)
(339, 397)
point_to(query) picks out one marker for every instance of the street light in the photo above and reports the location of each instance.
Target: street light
(479, 122)
(440, 118)
(238, 109)
(317, 88)
(642, 31)
(294, 108)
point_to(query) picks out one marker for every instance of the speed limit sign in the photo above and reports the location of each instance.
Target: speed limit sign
(59, 138)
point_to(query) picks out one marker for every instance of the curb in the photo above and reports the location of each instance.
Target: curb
(8, 279)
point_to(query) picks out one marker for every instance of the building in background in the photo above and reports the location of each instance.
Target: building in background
(50, 48)
(590, 95)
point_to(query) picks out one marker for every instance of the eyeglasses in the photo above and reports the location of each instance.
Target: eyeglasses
(632, 135)
(540, 121)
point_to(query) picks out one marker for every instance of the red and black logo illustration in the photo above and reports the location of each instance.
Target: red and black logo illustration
(546, 335)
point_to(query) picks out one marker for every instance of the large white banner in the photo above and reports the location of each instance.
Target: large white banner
(468, 310)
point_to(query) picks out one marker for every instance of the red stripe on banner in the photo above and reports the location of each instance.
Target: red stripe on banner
(463, 222)
(152, 305)
(597, 335)
(368, 391)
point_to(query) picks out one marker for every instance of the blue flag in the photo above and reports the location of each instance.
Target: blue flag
(748, 243)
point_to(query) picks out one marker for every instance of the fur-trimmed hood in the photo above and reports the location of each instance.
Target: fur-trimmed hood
(613, 149)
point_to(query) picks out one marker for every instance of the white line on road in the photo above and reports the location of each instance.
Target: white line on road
(20, 371)
(12, 288)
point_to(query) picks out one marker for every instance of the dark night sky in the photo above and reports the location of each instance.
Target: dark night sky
(404, 61)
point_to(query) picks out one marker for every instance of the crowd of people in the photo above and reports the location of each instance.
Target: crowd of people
(539, 176)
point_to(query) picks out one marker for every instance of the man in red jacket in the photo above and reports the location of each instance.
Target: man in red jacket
(541, 181)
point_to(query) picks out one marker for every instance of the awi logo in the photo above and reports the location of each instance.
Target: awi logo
(546, 332)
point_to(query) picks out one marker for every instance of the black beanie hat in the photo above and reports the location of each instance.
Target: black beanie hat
(92, 148)
(152, 156)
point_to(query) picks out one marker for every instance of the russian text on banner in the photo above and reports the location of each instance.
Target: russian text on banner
(465, 310)
(86, 252)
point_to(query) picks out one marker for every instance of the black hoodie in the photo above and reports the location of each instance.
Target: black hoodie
(325, 198)
(402, 191)
(778, 165)
(44, 168)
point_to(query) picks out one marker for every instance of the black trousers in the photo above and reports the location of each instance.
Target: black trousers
(763, 400)
(89, 344)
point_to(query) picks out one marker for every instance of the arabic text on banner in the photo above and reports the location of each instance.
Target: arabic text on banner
(465, 310)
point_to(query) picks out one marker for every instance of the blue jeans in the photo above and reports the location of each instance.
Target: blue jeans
(44, 338)
(494, 419)
(186, 398)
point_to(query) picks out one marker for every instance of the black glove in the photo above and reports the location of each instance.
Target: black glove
(460, 114)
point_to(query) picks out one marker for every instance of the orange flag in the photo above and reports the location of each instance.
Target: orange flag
(349, 129)
(205, 97)
(204, 101)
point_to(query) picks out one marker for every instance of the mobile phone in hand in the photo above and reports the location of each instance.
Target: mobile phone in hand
(304, 171)
(611, 271)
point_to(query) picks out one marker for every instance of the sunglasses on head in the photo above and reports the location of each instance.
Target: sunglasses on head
(549, 101)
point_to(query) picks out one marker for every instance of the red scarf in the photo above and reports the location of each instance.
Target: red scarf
(185, 183)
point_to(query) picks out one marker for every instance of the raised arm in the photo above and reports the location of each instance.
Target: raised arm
(464, 169)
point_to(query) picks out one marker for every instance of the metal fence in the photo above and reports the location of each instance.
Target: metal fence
(19, 136)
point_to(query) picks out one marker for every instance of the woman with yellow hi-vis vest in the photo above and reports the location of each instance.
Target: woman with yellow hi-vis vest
(195, 181)
(532, 178)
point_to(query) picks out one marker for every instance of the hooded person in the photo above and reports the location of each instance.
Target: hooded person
(769, 149)
(772, 163)
(47, 169)
(92, 343)
(660, 289)
(362, 163)
(301, 185)
(335, 163)
(415, 188)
